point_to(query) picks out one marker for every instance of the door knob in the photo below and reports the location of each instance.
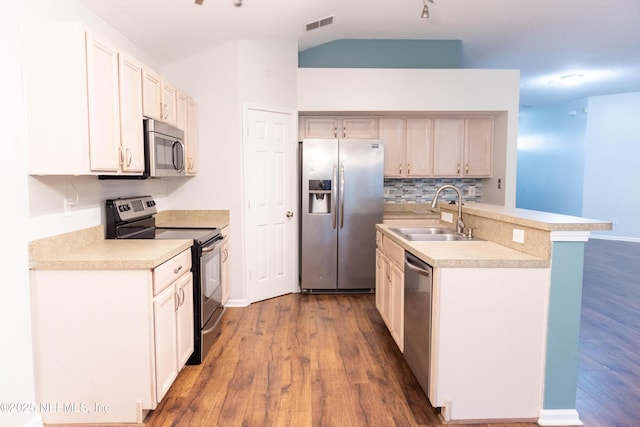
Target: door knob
(289, 214)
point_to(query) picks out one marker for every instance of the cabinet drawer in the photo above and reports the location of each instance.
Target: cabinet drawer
(394, 251)
(167, 272)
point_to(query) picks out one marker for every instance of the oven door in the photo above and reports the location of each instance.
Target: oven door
(210, 281)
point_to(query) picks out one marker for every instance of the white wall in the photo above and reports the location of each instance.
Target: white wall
(611, 173)
(16, 361)
(413, 90)
(222, 80)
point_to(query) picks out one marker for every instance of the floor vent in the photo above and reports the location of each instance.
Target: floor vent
(321, 23)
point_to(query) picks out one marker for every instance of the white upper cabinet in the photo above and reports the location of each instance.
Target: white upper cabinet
(131, 130)
(55, 80)
(463, 147)
(391, 131)
(478, 148)
(339, 127)
(169, 103)
(85, 100)
(115, 119)
(448, 136)
(408, 146)
(419, 147)
(151, 94)
(190, 137)
(160, 98)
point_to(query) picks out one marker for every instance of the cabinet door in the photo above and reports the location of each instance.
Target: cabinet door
(184, 319)
(380, 281)
(54, 62)
(151, 94)
(165, 305)
(190, 138)
(131, 131)
(396, 305)
(478, 147)
(419, 149)
(321, 127)
(181, 111)
(385, 285)
(448, 135)
(359, 128)
(226, 284)
(169, 103)
(391, 131)
(104, 110)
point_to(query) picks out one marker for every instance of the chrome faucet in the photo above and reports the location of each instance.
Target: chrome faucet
(459, 223)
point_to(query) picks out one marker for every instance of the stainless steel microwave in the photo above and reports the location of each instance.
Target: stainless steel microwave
(164, 152)
(164, 149)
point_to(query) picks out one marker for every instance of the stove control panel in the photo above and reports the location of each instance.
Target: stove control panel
(132, 208)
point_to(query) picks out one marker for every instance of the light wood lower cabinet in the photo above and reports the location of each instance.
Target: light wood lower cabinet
(110, 342)
(173, 326)
(390, 287)
(226, 267)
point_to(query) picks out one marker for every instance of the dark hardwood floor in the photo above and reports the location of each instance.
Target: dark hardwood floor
(328, 360)
(609, 366)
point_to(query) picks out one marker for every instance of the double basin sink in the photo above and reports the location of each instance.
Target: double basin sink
(431, 234)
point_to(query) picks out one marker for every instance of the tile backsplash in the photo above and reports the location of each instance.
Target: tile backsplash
(422, 190)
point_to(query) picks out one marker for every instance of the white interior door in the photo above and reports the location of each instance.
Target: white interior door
(270, 173)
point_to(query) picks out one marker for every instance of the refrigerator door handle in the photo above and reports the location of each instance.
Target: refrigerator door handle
(333, 196)
(341, 195)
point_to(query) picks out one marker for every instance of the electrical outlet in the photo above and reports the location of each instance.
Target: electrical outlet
(386, 192)
(518, 235)
(472, 190)
(446, 217)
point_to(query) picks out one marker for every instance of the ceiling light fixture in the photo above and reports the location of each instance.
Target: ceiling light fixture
(425, 9)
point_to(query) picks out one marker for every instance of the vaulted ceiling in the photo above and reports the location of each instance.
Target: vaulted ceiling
(545, 39)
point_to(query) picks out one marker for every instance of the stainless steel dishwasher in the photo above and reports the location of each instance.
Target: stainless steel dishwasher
(418, 286)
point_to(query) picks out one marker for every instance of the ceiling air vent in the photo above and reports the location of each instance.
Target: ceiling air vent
(321, 23)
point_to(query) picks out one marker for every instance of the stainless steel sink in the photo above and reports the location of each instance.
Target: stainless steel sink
(430, 234)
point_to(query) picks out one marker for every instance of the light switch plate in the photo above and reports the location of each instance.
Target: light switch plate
(446, 216)
(518, 235)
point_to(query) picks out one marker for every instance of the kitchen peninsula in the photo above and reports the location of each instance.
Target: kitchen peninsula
(505, 312)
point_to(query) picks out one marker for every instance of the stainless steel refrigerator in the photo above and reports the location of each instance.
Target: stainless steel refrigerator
(341, 201)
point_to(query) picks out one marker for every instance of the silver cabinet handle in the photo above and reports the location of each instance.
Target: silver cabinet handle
(289, 214)
(176, 301)
(341, 195)
(177, 270)
(333, 196)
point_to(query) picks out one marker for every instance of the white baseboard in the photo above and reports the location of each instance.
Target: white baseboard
(237, 303)
(616, 238)
(559, 417)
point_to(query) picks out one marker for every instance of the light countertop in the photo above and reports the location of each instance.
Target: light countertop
(530, 218)
(87, 249)
(193, 218)
(466, 254)
(113, 255)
